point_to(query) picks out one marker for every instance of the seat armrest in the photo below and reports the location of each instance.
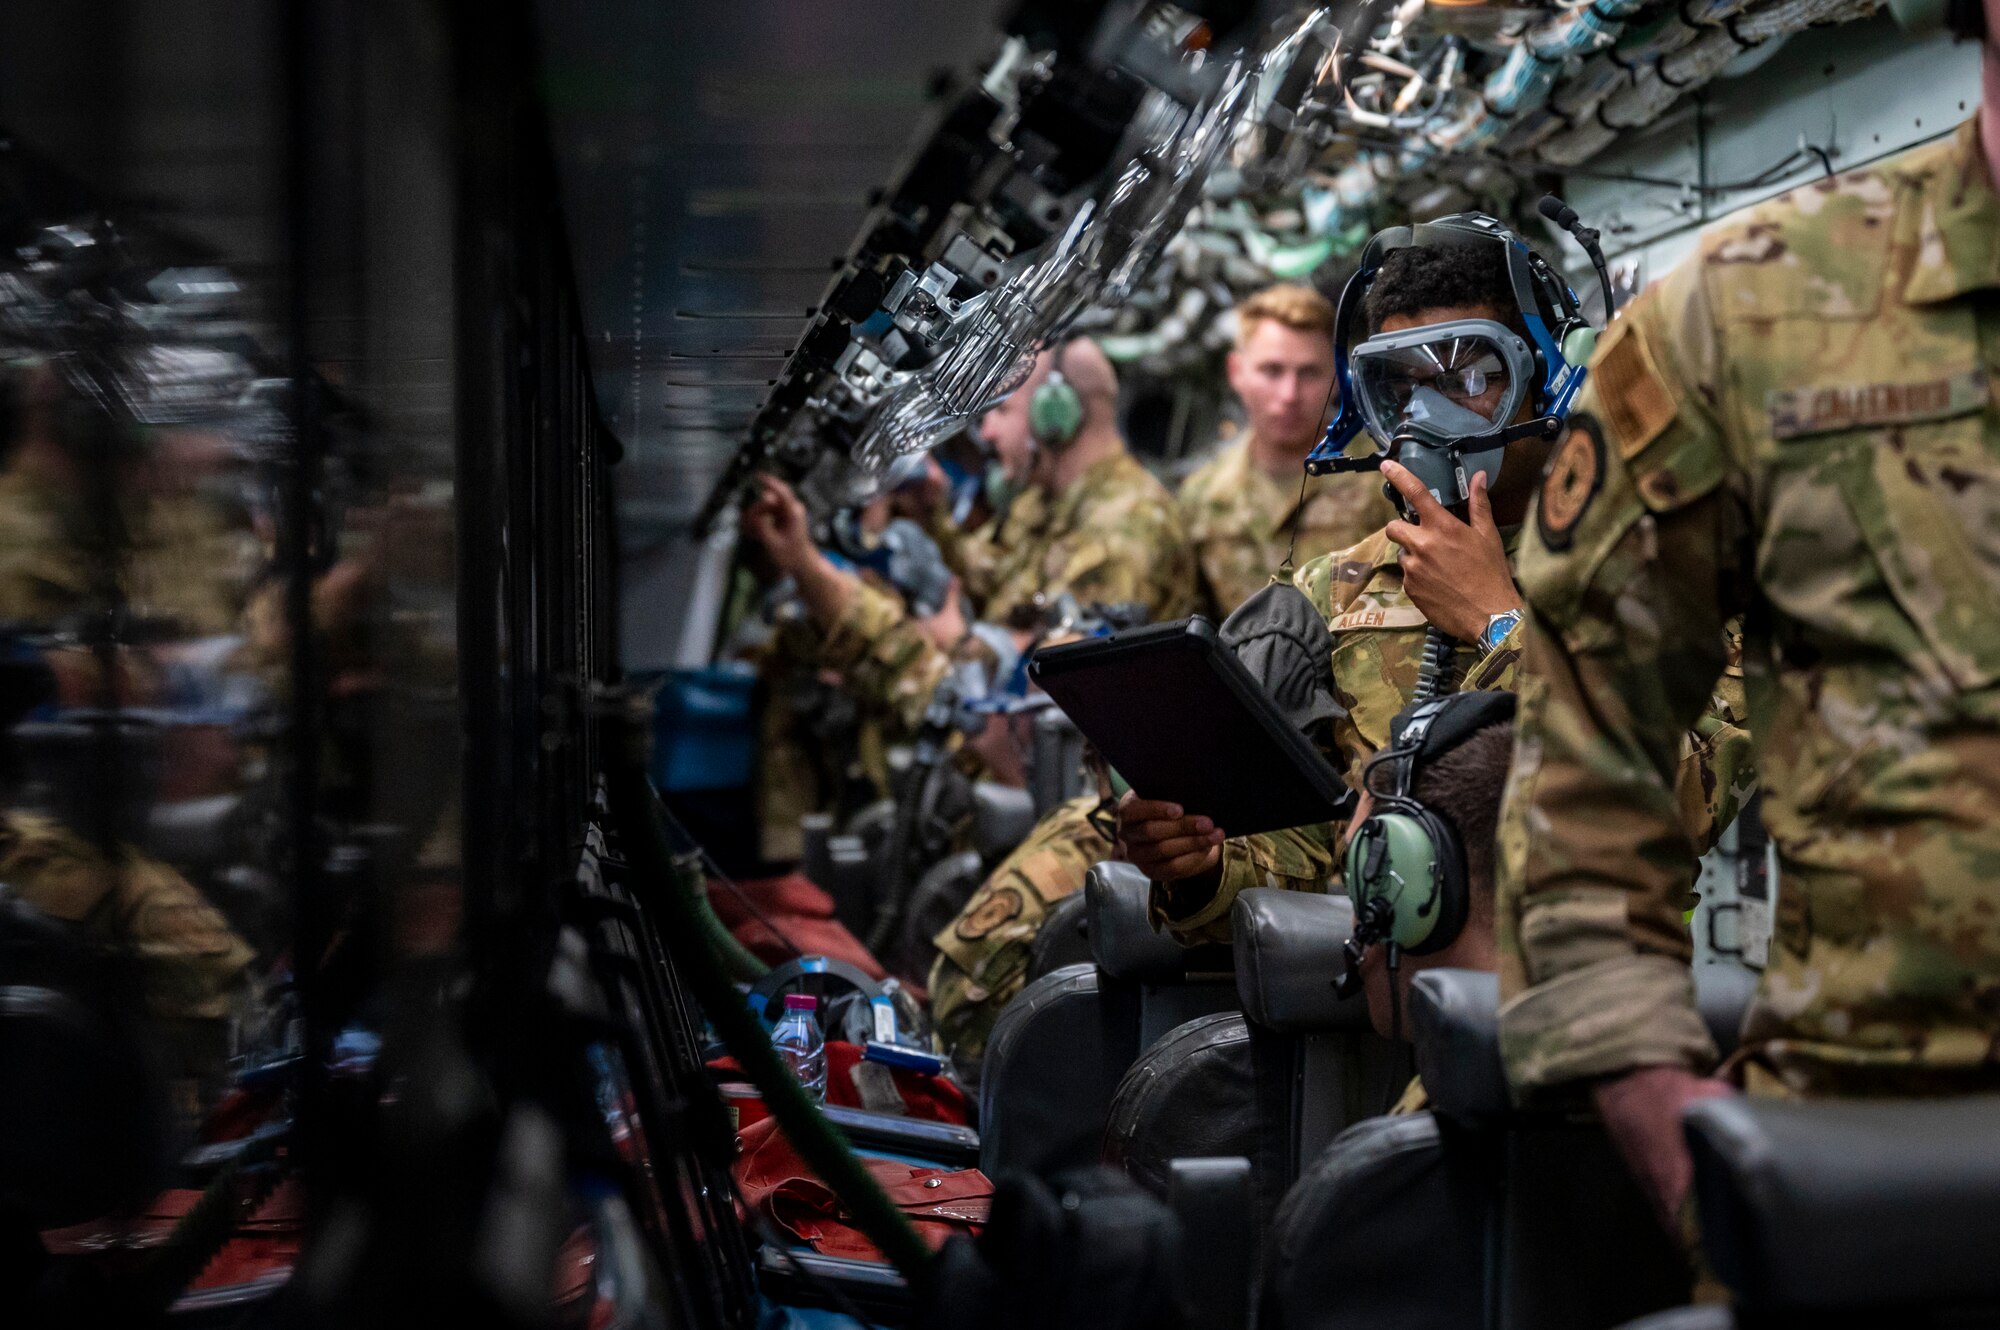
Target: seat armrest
(1288, 955)
(1455, 1019)
(1215, 1202)
(1845, 1205)
(801, 1277)
(940, 1142)
(1118, 903)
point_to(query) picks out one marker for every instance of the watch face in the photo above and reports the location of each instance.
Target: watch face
(1499, 626)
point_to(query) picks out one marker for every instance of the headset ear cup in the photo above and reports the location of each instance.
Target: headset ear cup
(1453, 894)
(1055, 412)
(1401, 844)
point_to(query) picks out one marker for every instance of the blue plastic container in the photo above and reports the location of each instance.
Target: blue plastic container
(704, 735)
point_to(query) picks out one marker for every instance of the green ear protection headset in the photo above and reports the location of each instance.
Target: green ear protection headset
(1055, 412)
(1406, 870)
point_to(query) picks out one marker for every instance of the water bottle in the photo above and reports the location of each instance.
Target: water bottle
(801, 1045)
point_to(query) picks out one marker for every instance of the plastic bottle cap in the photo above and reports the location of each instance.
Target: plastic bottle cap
(801, 1002)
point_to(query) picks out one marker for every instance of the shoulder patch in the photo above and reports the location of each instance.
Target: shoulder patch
(1002, 905)
(1636, 404)
(1574, 475)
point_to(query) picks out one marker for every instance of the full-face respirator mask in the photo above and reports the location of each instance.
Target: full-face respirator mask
(1444, 400)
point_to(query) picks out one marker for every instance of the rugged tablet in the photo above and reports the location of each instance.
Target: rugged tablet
(1180, 718)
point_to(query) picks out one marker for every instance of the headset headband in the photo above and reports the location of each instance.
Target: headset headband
(1433, 728)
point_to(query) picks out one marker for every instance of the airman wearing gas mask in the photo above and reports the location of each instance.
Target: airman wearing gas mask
(1099, 527)
(1463, 377)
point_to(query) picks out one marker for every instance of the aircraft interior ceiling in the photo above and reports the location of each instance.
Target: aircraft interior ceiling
(716, 161)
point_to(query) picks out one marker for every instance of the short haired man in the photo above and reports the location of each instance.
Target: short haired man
(1462, 785)
(1103, 529)
(1246, 510)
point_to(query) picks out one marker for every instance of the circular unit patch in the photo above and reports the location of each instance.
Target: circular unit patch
(1575, 473)
(1001, 906)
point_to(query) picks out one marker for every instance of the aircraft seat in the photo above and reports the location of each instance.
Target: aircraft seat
(1057, 1052)
(1063, 939)
(1476, 1212)
(1853, 1212)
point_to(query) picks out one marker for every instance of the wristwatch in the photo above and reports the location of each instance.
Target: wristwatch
(1497, 627)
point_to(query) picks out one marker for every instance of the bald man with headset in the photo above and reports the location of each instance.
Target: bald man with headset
(1093, 522)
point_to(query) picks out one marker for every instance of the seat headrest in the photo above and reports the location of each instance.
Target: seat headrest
(1063, 938)
(1454, 1018)
(1002, 817)
(1287, 958)
(1117, 901)
(1836, 1205)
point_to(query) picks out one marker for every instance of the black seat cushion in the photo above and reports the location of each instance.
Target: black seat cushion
(1849, 1205)
(1053, 1060)
(1288, 955)
(1388, 1227)
(1189, 1096)
(83, 1119)
(1454, 1016)
(1063, 939)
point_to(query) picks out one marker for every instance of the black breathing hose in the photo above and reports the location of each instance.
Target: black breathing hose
(888, 914)
(1434, 673)
(689, 943)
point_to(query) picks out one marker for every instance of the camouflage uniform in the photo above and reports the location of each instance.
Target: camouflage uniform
(1113, 536)
(185, 564)
(1378, 645)
(1242, 522)
(192, 962)
(976, 554)
(1799, 426)
(983, 957)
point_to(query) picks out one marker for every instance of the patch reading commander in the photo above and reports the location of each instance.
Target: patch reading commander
(1574, 475)
(1000, 906)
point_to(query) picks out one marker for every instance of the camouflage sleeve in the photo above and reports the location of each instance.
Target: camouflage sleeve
(983, 954)
(890, 666)
(1718, 770)
(1633, 547)
(194, 963)
(949, 535)
(1300, 859)
(1137, 553)
(1498, 669)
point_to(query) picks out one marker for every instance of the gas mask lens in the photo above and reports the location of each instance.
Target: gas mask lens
(1443, 382)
